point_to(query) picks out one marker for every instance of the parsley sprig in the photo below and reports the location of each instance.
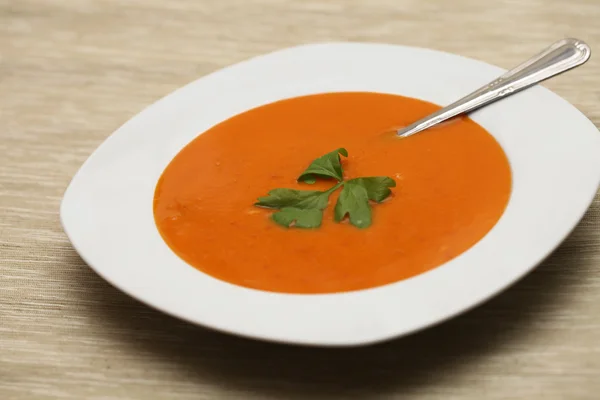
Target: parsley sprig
(304, 208)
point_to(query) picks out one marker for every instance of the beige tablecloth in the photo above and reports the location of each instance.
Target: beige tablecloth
(72, 71)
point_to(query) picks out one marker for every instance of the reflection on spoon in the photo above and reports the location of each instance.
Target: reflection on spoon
(392, 132)
(556, 59)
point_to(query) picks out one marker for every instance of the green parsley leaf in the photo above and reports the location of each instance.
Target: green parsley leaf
(327, 166)
(354, 199)
(297, 217)
(279, 198)
(302, 208)
(377, 186)
(354, 202)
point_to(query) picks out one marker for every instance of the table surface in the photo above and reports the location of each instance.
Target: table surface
(72, 71)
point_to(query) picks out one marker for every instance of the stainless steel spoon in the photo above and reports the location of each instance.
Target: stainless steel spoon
(556, 59)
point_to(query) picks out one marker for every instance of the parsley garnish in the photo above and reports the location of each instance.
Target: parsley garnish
(327, 166)
(304, 208)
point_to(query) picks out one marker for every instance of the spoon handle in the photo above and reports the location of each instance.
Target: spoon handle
(558, 58)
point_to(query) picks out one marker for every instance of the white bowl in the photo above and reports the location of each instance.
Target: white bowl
(554, 153)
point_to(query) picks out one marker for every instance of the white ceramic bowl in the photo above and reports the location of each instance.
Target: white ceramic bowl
(554, 153)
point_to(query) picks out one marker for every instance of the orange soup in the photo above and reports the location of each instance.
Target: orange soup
(453, 184)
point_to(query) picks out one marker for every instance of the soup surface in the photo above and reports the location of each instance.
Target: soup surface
(453, 184)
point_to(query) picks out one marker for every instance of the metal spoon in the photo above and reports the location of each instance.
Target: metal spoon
(556, 59)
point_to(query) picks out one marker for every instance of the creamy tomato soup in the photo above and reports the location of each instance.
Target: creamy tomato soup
(453, 184)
